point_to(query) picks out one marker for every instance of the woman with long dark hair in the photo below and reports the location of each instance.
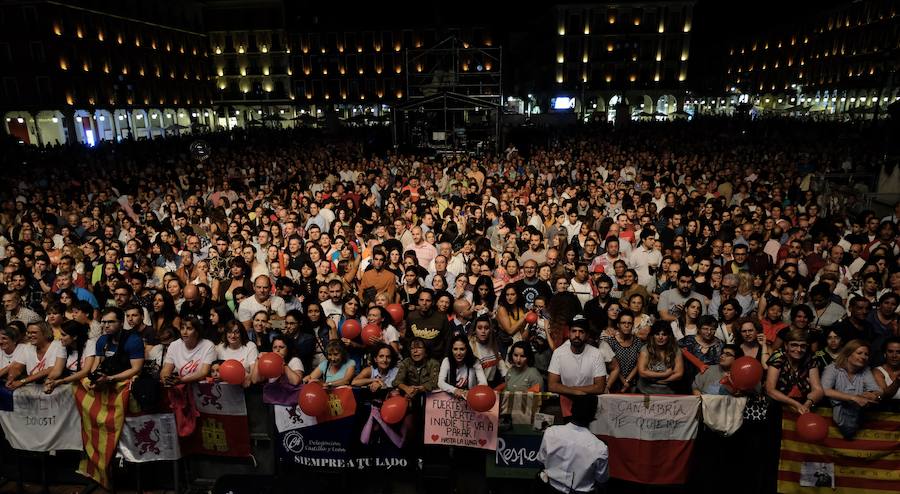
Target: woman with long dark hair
(409, 291)
(307, 285)
(164, 312)
(660, 364)
(219, 317)
(511, 314)
(460, 370)
(76, 356)
(483, 296)
(483, 343)
(522, 375)
(239, 277)
(293, 367)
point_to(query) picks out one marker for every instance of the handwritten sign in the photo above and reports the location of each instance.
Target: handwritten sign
(652, 436)
(659, 418)
(450, 422)
(42, 422)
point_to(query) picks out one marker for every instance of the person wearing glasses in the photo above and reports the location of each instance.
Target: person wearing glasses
(112, 321)
(792, 378)
(710, 382)
(236, 345)
(729, 290)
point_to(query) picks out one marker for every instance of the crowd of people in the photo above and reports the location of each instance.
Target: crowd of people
(590, 263)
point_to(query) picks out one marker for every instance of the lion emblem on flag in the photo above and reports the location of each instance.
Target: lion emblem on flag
(146, 438)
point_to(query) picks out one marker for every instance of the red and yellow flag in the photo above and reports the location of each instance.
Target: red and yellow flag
(869, 463)
(102, 417)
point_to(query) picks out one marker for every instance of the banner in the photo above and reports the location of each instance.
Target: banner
(335, 440)
(450, 422)
(102, 416)
(523, 418)
(650, 438)
(35, 421)
(870, 463)
(152, 437)
(222, 428)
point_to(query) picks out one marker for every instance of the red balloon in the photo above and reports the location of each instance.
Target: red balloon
(746, 373)
(394, 409)
(313, 399)
(531, 318)
(232, 372)
(350, 329)
(812, 427)
(270, 365)
(481, 398)
(396, 312)
(369, 332)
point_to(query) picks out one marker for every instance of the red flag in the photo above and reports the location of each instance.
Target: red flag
(651, 437)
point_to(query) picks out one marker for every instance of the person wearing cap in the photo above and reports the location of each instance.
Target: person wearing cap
(645, 258)
(577, 367)
(574, 459)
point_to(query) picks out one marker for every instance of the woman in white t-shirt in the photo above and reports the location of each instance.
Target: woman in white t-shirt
(236, 345)
(9, 343)
(36, 358)
(188, 359)
(293, 367)
(75, 356)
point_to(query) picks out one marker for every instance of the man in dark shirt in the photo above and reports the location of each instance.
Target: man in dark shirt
(195, 305)
(531, 286)
(430, 325)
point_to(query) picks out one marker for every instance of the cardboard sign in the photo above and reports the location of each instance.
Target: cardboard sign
(450, 422)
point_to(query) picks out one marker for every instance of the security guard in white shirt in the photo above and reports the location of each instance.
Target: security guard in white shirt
(575, 460)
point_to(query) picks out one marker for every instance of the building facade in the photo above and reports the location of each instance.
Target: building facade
(843, 61)
(80, 73)
(250, 57)
(623, 56)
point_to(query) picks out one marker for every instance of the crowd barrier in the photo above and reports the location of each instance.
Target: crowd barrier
(652, 439)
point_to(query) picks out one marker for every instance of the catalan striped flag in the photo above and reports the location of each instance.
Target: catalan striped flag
(102, 417)
(870, 463)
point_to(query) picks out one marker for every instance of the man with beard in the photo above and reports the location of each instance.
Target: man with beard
(430, 325)
(595, 308)
(577, 368)
(530, 286)
(671, 301)
(608, 258)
